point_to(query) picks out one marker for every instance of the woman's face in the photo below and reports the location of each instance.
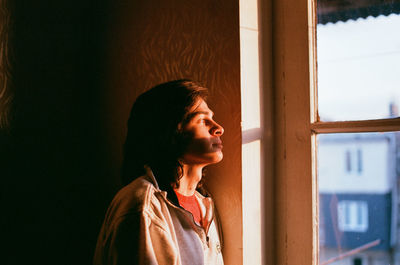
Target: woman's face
(202, 135)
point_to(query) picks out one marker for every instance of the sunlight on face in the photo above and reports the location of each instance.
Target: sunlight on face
(203, 136)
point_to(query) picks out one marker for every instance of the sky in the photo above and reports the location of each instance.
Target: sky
(358, 68)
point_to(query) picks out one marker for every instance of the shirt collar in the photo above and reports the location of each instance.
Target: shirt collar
(169, 192)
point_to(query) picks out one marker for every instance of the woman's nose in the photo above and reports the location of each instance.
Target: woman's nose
(217, 129)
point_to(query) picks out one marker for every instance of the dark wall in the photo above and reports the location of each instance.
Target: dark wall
(76, 68)
(59, 178)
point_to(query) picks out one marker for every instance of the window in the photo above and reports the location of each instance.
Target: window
(353, 161)
(253, 141)
(301, 120)
(352, 216)
(356, 55)
(348, 161)
(359, 161)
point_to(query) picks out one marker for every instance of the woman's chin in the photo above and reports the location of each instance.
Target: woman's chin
(218, 157)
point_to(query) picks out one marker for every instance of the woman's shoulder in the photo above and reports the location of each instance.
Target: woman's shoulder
(133, 198)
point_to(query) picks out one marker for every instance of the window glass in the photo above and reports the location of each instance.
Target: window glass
(358, 53)
(358, 212)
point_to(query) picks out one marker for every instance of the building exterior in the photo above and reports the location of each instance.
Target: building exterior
(358, 188)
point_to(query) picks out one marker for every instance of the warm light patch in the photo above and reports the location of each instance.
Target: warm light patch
(251, 188)
(249, 63)
(251, 133)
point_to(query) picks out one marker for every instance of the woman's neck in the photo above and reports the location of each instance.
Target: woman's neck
(191, 177)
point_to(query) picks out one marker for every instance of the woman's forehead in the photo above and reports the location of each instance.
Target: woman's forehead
(200, 106)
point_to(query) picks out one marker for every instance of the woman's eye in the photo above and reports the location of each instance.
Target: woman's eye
(202, 121)
(205, 121)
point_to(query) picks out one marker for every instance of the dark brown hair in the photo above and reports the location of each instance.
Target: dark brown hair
(154, 137)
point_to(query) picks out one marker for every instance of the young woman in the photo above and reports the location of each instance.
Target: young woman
(162, 215)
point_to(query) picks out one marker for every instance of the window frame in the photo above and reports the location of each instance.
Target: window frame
(296, 125)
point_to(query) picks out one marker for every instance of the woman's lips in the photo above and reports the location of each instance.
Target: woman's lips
(218, 145)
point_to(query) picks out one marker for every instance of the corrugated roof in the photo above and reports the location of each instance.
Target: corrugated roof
(343, 10)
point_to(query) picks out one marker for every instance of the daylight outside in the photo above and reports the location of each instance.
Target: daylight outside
(358, 64)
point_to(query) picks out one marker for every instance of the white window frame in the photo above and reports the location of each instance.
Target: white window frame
(295, 127)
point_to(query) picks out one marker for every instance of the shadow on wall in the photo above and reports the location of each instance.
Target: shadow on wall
(55, 168)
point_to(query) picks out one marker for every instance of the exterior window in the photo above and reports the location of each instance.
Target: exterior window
(351, 158)
(359, 161)
(348, 161)
(353, 216)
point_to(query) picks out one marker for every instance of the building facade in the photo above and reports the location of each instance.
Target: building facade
(358, 198)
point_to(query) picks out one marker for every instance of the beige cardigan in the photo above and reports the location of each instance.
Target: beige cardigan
(142, 226)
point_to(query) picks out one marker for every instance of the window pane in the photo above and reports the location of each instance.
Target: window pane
(358, 52)
(358, 208)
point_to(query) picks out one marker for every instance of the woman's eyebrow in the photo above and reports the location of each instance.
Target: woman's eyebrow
(204, 112)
